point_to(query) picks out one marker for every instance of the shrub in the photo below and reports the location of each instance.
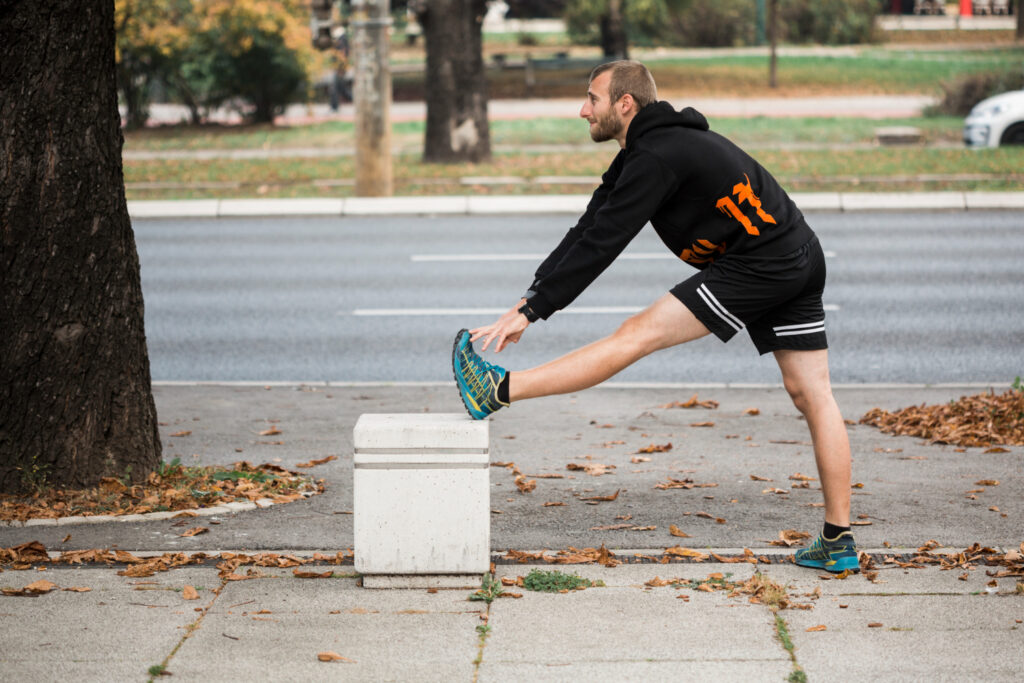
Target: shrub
(829, 22)
(960, 96)
(645, 20)
(715, 23)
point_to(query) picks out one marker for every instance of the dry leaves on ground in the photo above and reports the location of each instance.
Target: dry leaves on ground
(982, 420)
(592, 468)
(655, 448)
(694, 402)
(172, 487)
(685, 483)
(790, 537)
(601, 556)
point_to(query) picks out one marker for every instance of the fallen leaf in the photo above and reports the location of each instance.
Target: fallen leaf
(182, 433)
(875, 624)
(996, 449)
(333, 657)
(791, 537)
(751, 411)
(39, 587)
(861, 522)
(77, 589)
(819, 627)
(987, 482)
(273, 431)
(702, 424)
(553, 504)
(655, 448)
(776, 490)
(676, 531)
(194, 531)
(299, 574)
(637, 459)
(678, 551)
(801, 477)
(189, 593)
(755, 477)
(314, 463)
(692, 403)
(593, 469)
(657, 582)
(525, 485)
(612, 527)
(604, 498)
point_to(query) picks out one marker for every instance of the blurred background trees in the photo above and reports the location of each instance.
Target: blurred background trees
(254, 55)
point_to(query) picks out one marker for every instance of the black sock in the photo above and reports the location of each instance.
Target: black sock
(503, 389)
(831, 531)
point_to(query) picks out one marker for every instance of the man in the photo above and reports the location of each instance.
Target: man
(760, 267)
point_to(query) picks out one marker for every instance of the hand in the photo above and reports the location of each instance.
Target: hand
(508, 328)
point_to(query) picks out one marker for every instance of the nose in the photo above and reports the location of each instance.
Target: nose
(586, 110)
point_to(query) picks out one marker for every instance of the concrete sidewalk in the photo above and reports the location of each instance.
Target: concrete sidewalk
(932, 624)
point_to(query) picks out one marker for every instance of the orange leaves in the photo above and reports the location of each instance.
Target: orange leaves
(194, 531)
(679, 551)
(314, 463)
(676, 531)
(983, 420)
(686, 483)
(692, 403)
(33, 589)
(604, 499)
(791, 537)
(601, 556)
(987, 482)
(592, 468)
(702, 424)
(654, 448)
(189, 593)
(819, 627)
(525, 485)
(334, 657)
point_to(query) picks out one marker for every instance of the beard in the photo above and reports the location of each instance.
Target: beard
(606, 127)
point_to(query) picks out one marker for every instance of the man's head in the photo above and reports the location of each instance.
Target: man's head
(617, 91)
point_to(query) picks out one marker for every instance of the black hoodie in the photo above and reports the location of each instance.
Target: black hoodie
(705, 197)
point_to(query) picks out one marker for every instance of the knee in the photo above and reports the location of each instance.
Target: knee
(807, 397)
(637, 333)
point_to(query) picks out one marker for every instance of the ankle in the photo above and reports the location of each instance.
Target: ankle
(833, 531)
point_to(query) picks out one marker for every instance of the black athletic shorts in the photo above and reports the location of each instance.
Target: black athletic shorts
(777, 298)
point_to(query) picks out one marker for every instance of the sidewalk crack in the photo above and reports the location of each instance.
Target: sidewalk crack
(160, 669)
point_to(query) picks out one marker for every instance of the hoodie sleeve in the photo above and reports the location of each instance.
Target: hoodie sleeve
(642, 184)
(597, 200)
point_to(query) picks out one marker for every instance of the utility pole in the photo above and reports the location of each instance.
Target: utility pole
(370, 24)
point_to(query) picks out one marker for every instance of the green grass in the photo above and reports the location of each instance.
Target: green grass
(800, 170)
(556, 582)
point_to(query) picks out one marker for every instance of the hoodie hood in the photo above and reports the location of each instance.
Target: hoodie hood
(660, 114)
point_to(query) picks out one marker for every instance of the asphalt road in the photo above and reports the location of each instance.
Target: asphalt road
(927, 297)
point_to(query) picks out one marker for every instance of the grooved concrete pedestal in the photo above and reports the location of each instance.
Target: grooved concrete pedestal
(421, 500)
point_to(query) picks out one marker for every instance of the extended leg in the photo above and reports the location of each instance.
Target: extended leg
(665, 323)
(805, 375)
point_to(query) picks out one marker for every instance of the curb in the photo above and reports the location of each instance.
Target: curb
(225, 509)
(843, 202)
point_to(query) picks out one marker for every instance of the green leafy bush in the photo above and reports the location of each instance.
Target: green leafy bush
(829, 22)
(714, 23)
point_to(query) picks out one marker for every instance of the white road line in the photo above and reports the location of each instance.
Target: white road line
(577, 310)
(635, 256)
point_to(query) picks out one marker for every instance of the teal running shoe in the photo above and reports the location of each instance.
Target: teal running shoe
(833, 555)
(477, 379)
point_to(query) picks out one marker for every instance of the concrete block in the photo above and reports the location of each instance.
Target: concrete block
(417, 581)
(421, 495)
(899, 135)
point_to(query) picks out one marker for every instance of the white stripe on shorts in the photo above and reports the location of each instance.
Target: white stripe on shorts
(803, 328)
(718, 309)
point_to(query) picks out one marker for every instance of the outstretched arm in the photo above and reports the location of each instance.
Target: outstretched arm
(508, 328)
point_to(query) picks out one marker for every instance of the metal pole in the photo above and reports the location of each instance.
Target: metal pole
(371, 23)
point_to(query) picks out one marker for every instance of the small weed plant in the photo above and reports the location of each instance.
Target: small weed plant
(556, 582)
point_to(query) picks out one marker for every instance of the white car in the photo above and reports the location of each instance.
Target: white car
(996, 121)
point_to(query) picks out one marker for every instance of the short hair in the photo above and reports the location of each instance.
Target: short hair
(628, 77)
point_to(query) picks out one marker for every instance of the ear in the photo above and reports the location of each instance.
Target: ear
(627, 103)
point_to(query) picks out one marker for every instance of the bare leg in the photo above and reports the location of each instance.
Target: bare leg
(665, 323)
(805, 375)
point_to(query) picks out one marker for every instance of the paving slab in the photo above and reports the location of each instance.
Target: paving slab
(114, 632)
(274, 628)
(628, 624)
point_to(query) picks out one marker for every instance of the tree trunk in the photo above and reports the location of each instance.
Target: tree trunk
(75, 397)
(456, 83)
(773, 39)
(613, 31)
(1019, 9)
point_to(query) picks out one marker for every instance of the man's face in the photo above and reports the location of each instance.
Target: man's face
(605, 121)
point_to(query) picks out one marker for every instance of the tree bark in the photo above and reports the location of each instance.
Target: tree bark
(614, 43)
(456, 82)
(76, 402)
